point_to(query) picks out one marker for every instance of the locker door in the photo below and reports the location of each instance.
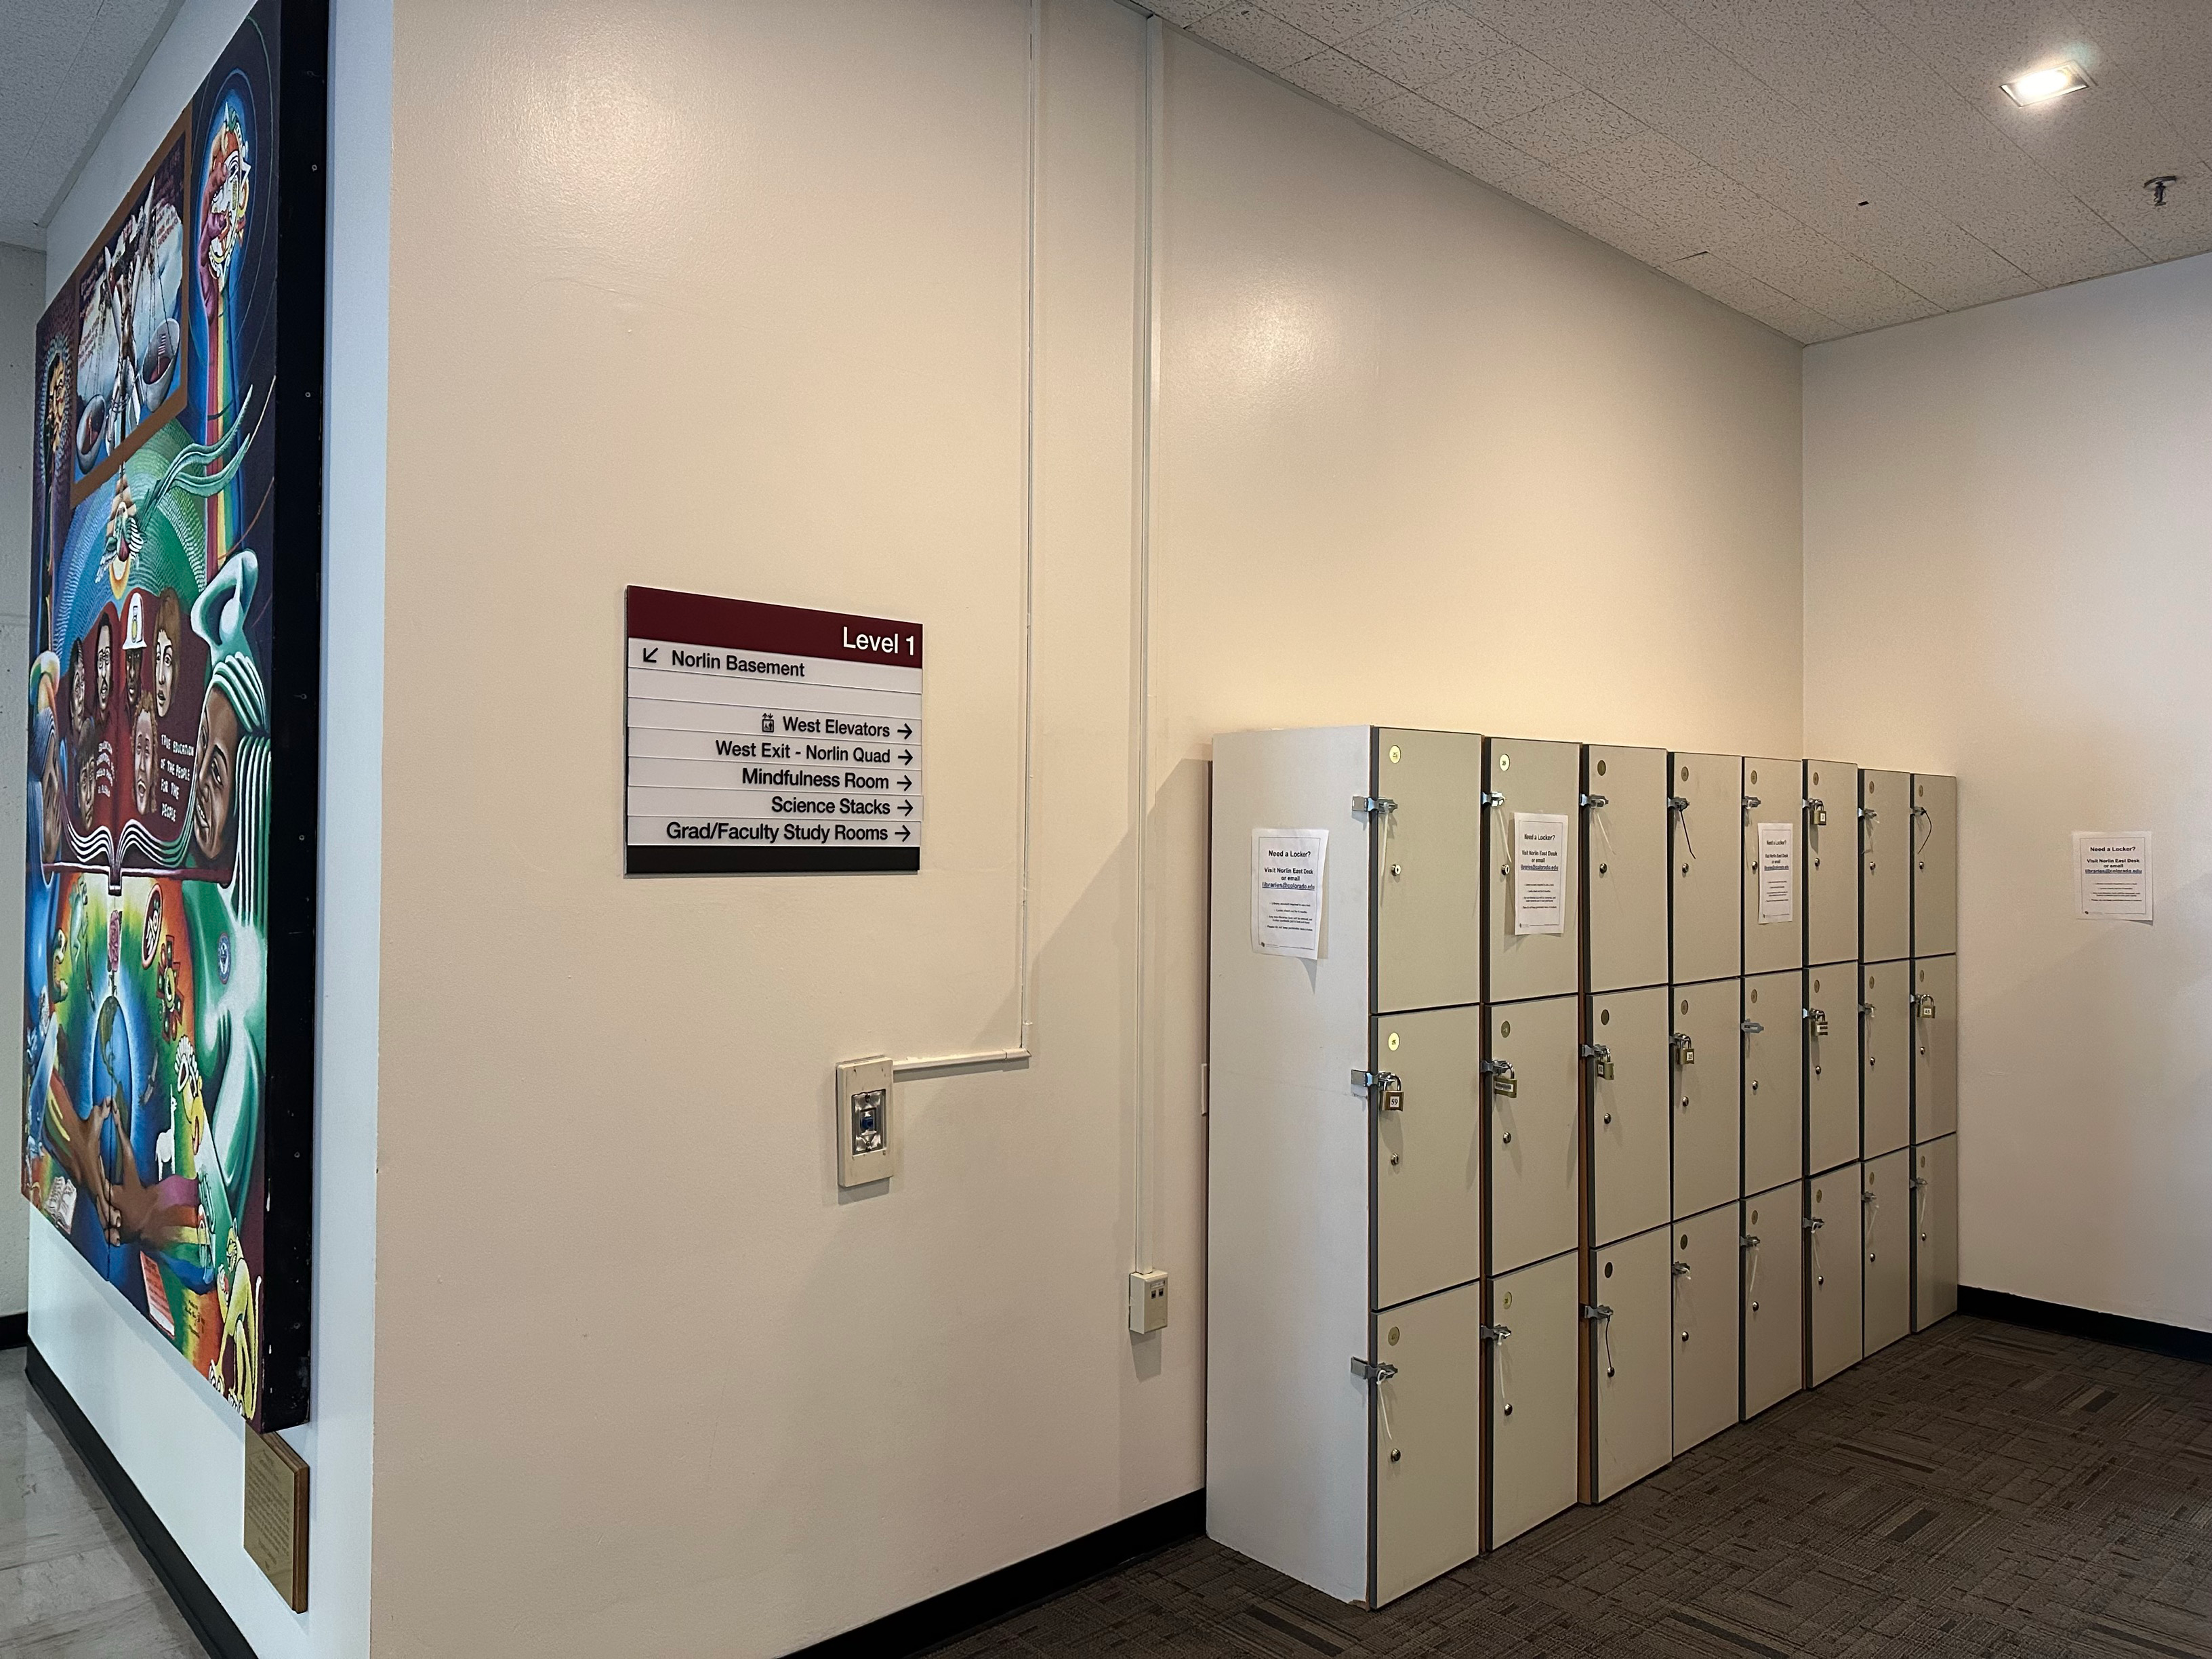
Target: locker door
(1629, 1132)
(1833, 1251)
(1708, 1273)
(1708, 910)
(1831, 1066)
(1935, 1231)
(1536, 1413)
(1538, 780)
(1633, 1372)
(1624, 841)
(1774, 934)
(1427, 1460)
(1773, 1297)
(1428, 1153)
(1886, 1199)
(1535, 1198)
(1885, 866)
(1428, 870)
(1773, 1081)
(1886, 1056)
(1708, 1075)
(1935, 1047)
(1831, 862)
(1935, 865)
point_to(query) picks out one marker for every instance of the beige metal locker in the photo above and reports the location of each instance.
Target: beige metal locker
(1832, 861)
(1885, 1203)
(1705, 803)
(1632, 1372)
(1773, 833)
(1428, 1153)
(1835, 1332)
(1935, 865)
(1886, 1056)
(1773, 1297)
(1534, 814)
(1535, 1115)
(1427, 869)
(1773, 1080)
(1934, 1047)
(1427, 1462)
(1624, 835)
(1831, 1066)
(1535, 1414)
(1935, 1231)
(1630, 1106)
(1708, 1080)
(1885, 866)
(1708, 1274)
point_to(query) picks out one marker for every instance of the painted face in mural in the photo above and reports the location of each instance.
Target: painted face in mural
(77, 684)
(104, 666)
(85, 771)
(51, 807)
(165, 630)
(212, 778)
(149, 938)
(141, 758)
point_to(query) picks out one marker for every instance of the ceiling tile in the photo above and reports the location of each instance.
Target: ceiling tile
(1425, 44)
(1257, 37)
(1500, 87)
(1330, 76)
(1184, 13)
(1715, 276)
(1568, 126)
(1565, 199)
(1451, 138)
(1337, 20)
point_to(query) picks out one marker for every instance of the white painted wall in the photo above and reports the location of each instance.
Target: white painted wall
(180, 1443)
(22, 297)
(730, 299)
(2008, 574)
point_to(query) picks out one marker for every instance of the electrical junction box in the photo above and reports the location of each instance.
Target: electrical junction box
(1148, 1301)
(864, 1122)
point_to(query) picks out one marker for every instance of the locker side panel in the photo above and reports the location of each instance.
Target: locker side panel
(1428, 1154)
(1831, 1066)
(1935, 1231)
(1536, 1172)
(1624, 844)
(1773, 1081)
(1773, 935)
(1886, 1056)
(1708, 1276)
(1833, 1253)
(1773, 1297)
(1831, 862)
(1885, 866)
(1935, 1047)
(1541, 778)
(1887, 1203)
(1708, 1079)
(1935, 865)
(1428, 870)
(1631, 1369)
(1629, 1113)
(1535, 1409)
(1707, 908)
(1427, 1461)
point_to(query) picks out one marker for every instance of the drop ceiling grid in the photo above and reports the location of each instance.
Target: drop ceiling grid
(1825, 166)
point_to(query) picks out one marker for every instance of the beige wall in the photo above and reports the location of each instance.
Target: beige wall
(730, 298)
(22, 297)
(2007, 513)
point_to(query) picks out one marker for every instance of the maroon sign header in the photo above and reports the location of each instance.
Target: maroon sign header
(655, 613)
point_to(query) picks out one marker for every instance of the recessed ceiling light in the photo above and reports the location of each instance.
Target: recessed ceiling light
(2041, 86)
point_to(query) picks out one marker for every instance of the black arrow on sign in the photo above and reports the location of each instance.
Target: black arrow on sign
(906, 731)
(905, 834)
(906, 783)
(906, 757)
(653, 653)
(906, 807)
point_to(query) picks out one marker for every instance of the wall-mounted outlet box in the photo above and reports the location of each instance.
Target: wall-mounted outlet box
(865, 1122)
(1148, 1301)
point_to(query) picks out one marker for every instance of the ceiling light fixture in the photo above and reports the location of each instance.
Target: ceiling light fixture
(2041, 86)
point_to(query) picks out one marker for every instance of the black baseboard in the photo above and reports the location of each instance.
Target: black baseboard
(2178, 1341)
(928, 1623)
(14, 1330)
(217, 1632)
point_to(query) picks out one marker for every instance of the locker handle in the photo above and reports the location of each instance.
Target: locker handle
(1502, 1080)
(1748, 1241)
(1596, 1311)
(1818, 809)
(1393, 1091)
(1494, 1333)
(1493, 798)
(1918, 1181)
(1603, 1056)
(1749, 802)
(1371, 805)
(1752, 1028)
(1865, 1008)
(1814, 1223)
(1596, 800)
(1373, 1371)
(1681, 1270)
(1685, 1049)
(1680, 804)
(1925, 1006)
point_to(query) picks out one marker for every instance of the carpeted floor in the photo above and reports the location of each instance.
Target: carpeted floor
(1980, 1489)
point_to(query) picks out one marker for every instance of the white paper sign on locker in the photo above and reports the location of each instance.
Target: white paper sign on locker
(1287, 869)
(2111, 874)
(1777, 872)
(1540, 872)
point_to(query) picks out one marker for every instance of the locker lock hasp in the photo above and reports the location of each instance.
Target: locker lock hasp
(865, 1120)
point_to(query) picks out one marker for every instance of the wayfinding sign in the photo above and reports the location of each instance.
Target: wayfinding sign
(766, 738)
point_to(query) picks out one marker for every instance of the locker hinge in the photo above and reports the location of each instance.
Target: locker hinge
(1752, 1028)
(1371, 805)
(1494, 1333)
(1603, 1056)
(1596, 800)
(1394, 1091)
(1814, 1223)
(1493, 798)
(1373, 1371)
(1681, 1270)
(1502, 1080)
(1686, 1050)
(1818, 809)
(1596, 1311)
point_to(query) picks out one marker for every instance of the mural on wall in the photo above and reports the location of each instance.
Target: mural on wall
(169, 869)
